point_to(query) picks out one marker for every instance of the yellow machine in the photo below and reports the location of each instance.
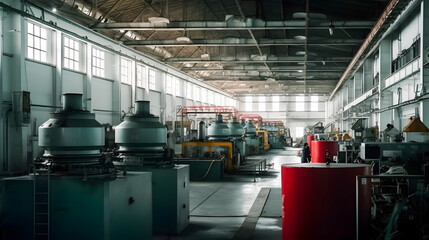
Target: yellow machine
(212, 150)
(264, 135)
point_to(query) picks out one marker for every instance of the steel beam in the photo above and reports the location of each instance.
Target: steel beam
(246, 68)
(232, 25)
(241, 42)
(258, 59)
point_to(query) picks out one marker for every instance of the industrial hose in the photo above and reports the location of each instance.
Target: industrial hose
(207, 172)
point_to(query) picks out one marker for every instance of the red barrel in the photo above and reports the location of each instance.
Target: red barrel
(318, 150)
(310, 138)
(319, 201)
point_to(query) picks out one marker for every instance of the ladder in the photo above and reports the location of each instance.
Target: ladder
(41, 214)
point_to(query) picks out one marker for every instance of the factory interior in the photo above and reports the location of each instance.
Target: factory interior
(214, 119)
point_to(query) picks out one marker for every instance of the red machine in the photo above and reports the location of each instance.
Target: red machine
(320, 150)
(319, 200)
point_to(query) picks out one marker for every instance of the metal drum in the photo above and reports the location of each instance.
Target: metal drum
(310, 138)
(319, 200)
(71, 131)
(320, 149)
(218, 131)
(141, 132)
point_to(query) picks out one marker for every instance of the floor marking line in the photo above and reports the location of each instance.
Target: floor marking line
(248, 227)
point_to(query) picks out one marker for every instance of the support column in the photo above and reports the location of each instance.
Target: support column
(116, 88)
(368, 74)
(358, 84)
(424, 46)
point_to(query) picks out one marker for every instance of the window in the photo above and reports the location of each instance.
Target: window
(248, 105)
(178, 89)
(314, 103)
(197, 93)
(210, 97)
(152, 79)
(300, 104)
(71, 53)
(169, 84)
(261, 103)
(140, 76)
(37, 42)
(276, 103)
(126, 71)
(203, 95)
(299, 132)
(189, 90)
(217, 99)
(97, 62)
(222, 100)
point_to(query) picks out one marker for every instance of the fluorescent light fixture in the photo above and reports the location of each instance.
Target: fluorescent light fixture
(183, 39)
(158, 20)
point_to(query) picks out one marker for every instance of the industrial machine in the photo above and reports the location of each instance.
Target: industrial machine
(142, 142)
(223, 148)
(75, 191)
(253, 141)
(236, 135)
(262, 132)
(399, 190)
(276, 134)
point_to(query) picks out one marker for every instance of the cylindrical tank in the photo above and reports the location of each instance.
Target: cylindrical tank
(243, 122)
(71, 131)
(218, 131)
(201, 131)
(235, 129)
(310, 138)
(319, 200)
(141, 132)
(250, 129)
(320, 149)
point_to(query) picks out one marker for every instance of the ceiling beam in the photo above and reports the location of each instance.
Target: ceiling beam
(241, 42)
(258, 78)
(261, 69)
(232, 25)
(258, 59)
(276, 75)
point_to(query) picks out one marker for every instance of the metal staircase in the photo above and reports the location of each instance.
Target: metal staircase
(41, 213)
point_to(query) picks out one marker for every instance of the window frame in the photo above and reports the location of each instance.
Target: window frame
(128, 68)
(42, 38)
(314, 105)
(151, 79)
(141, 76)
(300, 103)
(98, 62)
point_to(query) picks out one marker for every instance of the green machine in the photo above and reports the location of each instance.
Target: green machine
(253, 142)
(142, 142)
(75, 191)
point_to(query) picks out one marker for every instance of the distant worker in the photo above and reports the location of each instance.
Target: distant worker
(305, 154)
(392, 133)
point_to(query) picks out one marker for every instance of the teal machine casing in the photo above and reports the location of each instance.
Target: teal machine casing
(142, 140)
(75, 191)
(170, 197)
(93, 209)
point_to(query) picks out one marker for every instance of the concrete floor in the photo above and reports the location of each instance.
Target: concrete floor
(218, 209)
